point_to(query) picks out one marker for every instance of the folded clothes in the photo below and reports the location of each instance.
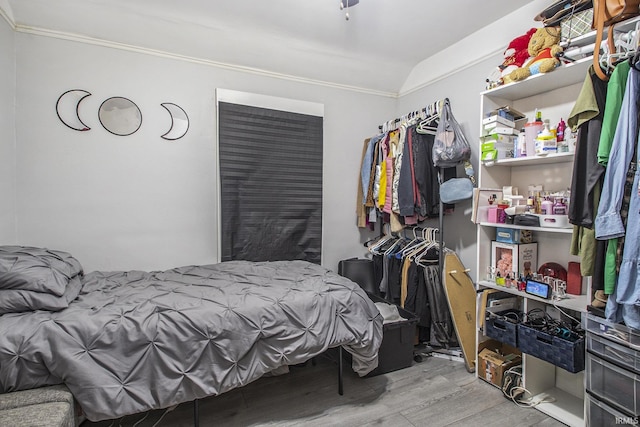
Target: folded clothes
(389, 312)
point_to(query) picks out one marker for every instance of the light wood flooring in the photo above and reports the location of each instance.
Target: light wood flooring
(436, 392)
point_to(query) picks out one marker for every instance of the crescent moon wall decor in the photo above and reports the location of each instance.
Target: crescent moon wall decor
(120, 116)
(67, 108)
(179, 122)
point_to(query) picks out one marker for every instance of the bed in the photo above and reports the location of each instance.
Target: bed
(126, 342)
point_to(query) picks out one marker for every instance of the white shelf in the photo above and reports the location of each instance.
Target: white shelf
(565, 407)
(555, 93)
(572, 302)
(526, 227)
(565, 75)
(533, 160)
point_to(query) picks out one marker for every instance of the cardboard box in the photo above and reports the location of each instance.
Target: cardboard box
(499, 138)
(509, 257)
(492, 128)
(497, 151)
(495, 360)
(498, 120)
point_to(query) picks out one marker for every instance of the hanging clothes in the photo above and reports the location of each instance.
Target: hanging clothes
(426, 175)
(615, 93)
(399, 182)
(361, 212)
(586, 182)
(623, 303)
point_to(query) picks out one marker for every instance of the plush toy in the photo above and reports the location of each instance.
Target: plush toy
(516, 53)
(543, 49)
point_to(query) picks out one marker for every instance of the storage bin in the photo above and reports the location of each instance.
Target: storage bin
(361, 272)
(610, 351)
(554, 221)
(566, 354)
(576, 24)
(396, 350)
(503, 326)
(616, 386)
(613, 331)
(513, 235)
(600, 414)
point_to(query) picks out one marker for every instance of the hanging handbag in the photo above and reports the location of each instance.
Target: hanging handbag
(607, 13)
(456, 190)
(450, 146)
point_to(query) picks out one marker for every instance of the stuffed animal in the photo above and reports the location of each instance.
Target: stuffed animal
(516, 53)
(544, 50)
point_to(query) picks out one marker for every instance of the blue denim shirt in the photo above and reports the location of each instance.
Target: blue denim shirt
(365, 173)
(608, 222)
(623, 303)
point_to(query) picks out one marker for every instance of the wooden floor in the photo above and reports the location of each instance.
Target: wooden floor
(436, 392)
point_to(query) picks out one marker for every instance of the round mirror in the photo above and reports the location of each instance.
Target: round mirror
(120, 116)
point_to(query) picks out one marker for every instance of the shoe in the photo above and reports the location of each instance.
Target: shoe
(599, 299)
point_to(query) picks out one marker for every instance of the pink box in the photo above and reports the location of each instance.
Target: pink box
(492, 216)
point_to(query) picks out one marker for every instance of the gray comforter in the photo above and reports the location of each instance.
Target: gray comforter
(133, 341)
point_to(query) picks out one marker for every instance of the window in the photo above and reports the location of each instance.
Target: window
(270, 163)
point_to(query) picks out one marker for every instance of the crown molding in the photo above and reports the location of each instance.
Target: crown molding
(8, 18)
(201, 61)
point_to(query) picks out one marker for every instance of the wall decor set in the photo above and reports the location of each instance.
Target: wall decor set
(118, 115)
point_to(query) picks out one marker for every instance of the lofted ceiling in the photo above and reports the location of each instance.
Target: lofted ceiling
(375, 49)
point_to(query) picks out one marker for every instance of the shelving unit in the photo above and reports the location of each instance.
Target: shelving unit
(554, 94)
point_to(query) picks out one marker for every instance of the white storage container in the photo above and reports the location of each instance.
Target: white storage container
(619, 354)
(616, 386)
(554, 221)
(600, 414)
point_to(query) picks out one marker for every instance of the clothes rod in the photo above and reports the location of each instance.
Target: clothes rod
(430, 110)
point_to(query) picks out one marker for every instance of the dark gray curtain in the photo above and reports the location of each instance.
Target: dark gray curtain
(271, 184)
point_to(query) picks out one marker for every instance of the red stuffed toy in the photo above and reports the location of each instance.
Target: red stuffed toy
(515, 55)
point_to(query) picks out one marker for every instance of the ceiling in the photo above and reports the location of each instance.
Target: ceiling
(375, 49)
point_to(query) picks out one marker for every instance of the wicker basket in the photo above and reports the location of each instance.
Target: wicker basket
(558, 351)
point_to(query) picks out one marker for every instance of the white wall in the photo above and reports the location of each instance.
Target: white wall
(7, 134)
(140, 202)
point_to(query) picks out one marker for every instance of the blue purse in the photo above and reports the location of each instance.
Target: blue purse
(458, 189)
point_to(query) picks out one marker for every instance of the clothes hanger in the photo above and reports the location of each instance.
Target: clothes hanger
(431, 243)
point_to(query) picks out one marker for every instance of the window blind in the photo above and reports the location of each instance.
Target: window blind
(271, 184)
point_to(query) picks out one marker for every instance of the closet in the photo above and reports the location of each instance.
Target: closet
(398, 193)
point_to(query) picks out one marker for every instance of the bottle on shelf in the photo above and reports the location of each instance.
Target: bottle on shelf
(546, 141)
(560, 130)
(531, 131)
(547, 206)
(559, 207)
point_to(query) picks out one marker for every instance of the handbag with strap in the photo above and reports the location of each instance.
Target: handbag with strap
(456, 190)
(607, 13)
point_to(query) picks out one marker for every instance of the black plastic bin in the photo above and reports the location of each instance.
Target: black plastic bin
(361, 272)
(396, 350)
